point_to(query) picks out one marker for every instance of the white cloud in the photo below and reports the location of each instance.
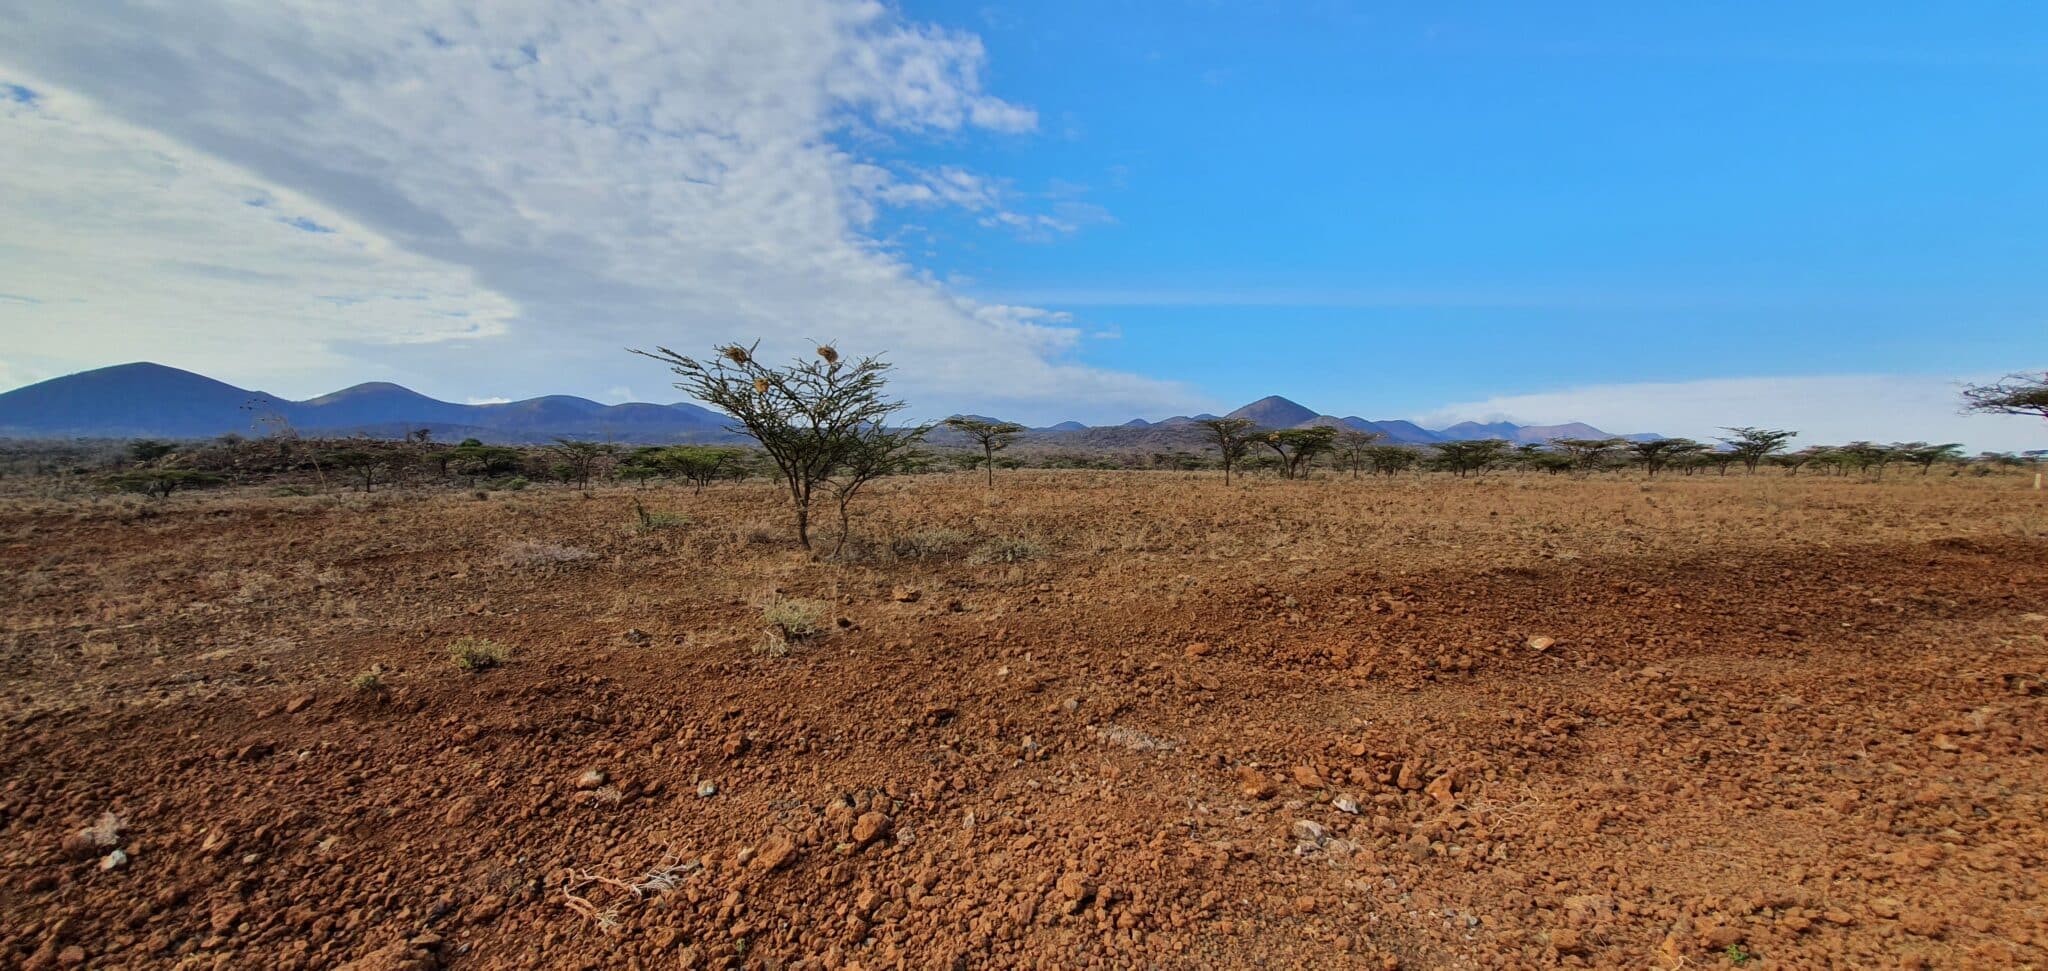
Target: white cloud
(577, 178)
(1824, 410)
(119, 241)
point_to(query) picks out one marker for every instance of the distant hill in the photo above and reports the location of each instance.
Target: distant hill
(151, 400)
(154, 401)
(1273, 411)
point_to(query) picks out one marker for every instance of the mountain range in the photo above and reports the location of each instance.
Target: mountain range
(152, 400)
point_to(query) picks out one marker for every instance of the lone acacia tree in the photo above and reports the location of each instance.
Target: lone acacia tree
(1297, 447)
(1232, 437)
(1751, 446)
(992, 436)
(823, 423)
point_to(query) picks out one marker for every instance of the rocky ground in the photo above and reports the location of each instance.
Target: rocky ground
(1086, 720)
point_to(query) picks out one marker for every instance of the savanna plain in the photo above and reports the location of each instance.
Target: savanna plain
(1079, 720)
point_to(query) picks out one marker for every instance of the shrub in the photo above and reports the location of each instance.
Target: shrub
(794, 620)
(928, 544)
(514, 484)
(478, 653)
(652, 521)
(1009, 550)
(369, 682)
(160, 483)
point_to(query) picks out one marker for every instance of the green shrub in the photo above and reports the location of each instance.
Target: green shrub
(478, 653)
(794, 620)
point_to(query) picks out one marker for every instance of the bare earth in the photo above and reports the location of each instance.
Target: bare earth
(1503, 722)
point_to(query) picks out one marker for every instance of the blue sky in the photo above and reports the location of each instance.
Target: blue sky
(1510, 197)
(1647, 216)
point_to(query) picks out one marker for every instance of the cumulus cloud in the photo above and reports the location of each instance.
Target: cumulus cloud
(1829, 409)
(503, 195)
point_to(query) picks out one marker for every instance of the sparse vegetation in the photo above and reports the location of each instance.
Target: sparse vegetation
(790, 621)
(1011, 549)
(1750, 446)
(529, 553)
(1232, 437)
(472, 653)
(992, 436)
(1297, 447)
(822, 422)
(925, 544)
(653, 521)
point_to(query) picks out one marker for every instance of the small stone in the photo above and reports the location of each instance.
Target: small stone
(1440, 790)
(1255, 785)
(635, 635)
(1306, 777)
(1304, 905)
(80, 845)
(225, 917)
(114, 860)
(1540, 643)
(777, 853)
(707, 790)
(592, 779)
(1920, 922)
(1309, 830)
(1199, 649)
(459, 811)
(906, 595)
(1345, 804)
(1566, 940)
(871, 827)
(1073, 887)
(71, 957)
(298, 704)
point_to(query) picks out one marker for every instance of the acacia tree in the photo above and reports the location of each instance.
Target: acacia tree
(1925, 456)
(1587, 453)
(1232, 437)
(363, 466)
(1470, 455)
(1792, 462)
(581, 459)
(815, 419)
(1864, 456)
(1391, 460)
(1351, 445)
(1296, 447)
(1659, 452)
(1751, 446)
(2014, 394)
(992, 436)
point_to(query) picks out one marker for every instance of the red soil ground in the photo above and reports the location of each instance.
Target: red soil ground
(1769, 723)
